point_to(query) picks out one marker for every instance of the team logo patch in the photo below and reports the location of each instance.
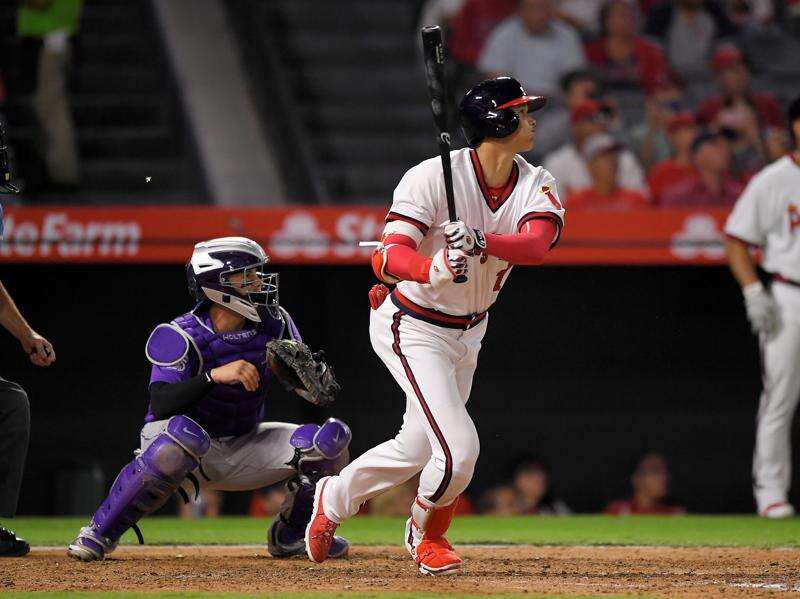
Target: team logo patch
(548, 191)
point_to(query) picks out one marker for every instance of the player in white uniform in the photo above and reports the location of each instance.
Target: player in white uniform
(768, 215)
(429, 332)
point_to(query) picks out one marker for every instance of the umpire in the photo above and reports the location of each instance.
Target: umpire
(15, 421)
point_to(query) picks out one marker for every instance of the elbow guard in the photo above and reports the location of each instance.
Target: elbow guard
(379, 260)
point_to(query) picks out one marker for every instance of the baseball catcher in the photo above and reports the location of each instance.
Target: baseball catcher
(208, 386)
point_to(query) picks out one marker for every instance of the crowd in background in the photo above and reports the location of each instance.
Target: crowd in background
(528, 491)
(651, 102)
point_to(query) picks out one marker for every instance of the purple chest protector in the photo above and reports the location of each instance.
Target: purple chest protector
(231, 410)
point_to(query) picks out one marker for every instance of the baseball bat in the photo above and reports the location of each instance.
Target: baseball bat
(433, 52)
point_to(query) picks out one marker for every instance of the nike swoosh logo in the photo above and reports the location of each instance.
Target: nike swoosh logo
(188, 432)
(336, 438)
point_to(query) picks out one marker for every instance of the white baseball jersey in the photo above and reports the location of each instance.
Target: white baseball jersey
(768, 215)
(419, 210)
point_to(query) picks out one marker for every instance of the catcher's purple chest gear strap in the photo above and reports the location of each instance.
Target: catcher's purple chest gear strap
(228, 410)
(148, 481)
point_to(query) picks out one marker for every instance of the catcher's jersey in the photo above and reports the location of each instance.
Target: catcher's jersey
(768, 214)
(420, 199)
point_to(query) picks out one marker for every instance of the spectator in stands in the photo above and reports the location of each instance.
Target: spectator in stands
(46, 28)
(601, 152)
(473, 24)
(532, 484)
(267, 502)
(623, 57)
(733, 82)
(552, 129)
(568, 165)
(689, 29)
(649, 139)
(533, 47)
(499, 501)
(582, 15)
(650, 483)
(713, 184)
(682, 130)
(739, 112)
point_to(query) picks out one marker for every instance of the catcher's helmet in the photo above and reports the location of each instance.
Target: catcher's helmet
(486, 109)
(209, 271)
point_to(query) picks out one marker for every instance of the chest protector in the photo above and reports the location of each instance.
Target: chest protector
(230, 410)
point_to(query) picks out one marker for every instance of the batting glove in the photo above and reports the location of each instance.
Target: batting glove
(460, 237)
(762, 310)
(446, 265)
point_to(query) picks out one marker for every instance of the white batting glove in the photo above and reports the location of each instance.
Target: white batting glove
(762, 310)
(448, 264)
(461, 237)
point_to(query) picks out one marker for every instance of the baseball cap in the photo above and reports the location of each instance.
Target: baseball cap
(585, 111)
(726, 56)
(598, 144)
(680, 120)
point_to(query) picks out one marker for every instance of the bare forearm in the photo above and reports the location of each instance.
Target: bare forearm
(740, 262)
(10, 316)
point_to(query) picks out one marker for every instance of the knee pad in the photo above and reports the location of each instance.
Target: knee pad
(176, 451)
(321, 450)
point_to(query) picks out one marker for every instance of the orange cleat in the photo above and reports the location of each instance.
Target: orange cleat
(436, 557)
(432, 553)
(320, 529)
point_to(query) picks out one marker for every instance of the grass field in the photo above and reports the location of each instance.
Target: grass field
(683, 531)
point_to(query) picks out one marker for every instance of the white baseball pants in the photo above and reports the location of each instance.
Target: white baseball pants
(780, 357)
(434, 366)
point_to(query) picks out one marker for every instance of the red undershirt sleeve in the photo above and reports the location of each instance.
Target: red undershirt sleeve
(526, 248)
(403, 261)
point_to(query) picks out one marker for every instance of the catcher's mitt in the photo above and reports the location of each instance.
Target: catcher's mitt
(301, 371)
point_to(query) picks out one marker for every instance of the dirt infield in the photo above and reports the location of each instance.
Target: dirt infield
(488, 570)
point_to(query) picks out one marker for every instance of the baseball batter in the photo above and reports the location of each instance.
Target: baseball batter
(767, 215)
(428, 332)
(204, 429)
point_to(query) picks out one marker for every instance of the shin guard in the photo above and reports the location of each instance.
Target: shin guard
(143, 486)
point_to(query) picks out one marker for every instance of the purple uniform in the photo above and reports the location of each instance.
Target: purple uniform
(189, 346)
(176, 453)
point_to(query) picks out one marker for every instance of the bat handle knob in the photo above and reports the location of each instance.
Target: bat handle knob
(460, 279)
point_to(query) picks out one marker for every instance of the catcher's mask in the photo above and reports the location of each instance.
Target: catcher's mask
(229, 271)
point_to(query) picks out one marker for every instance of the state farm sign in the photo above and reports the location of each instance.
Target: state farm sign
(330, 235)
(56, 234)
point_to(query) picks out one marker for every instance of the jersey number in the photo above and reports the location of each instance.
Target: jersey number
(499, 282)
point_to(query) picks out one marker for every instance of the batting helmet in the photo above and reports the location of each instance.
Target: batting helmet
(486, 109)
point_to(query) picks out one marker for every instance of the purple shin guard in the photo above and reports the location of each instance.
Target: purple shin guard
(322, 451)
(143, 486)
